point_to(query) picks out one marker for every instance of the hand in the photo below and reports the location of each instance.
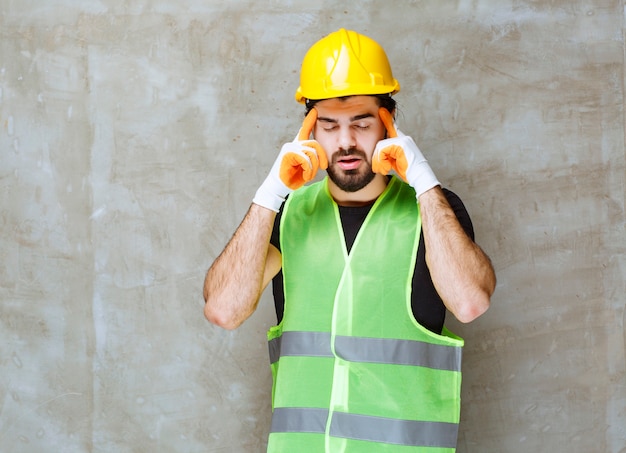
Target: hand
(297, 164)
(400, 154)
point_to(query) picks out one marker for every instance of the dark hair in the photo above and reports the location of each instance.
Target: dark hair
(384, 100)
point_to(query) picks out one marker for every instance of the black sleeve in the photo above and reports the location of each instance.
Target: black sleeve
(275, 238)
(428, 308)
(277, 281)
(461, 213)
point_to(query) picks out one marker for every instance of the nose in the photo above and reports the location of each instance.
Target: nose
(346, 138)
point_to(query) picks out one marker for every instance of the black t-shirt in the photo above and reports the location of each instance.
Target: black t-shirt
(428, 308)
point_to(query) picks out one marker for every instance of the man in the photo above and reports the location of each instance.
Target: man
(364, 266)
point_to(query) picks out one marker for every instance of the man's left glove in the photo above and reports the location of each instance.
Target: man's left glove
(400, 153)
(297, 164)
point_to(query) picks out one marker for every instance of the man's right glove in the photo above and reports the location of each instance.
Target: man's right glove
(400, 153)
(297, 164)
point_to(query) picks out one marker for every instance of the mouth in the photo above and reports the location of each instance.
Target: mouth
(349, 163)
(349, 160)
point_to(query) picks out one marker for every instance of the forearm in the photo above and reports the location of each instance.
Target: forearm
(234, 282)
(461, 272)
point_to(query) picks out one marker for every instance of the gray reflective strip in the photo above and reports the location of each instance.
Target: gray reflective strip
(399, 352)
(391, 431)
(372, 350)
(274, 347)
(312, 344)
(299, 420)
(364, 427)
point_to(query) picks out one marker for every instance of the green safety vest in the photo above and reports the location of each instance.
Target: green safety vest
(353, 371)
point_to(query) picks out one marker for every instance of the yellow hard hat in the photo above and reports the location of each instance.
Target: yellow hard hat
(345, 63)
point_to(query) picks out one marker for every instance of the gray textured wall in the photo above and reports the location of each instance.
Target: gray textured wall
(133, 134)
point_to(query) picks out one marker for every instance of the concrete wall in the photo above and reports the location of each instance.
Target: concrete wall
(133, 134)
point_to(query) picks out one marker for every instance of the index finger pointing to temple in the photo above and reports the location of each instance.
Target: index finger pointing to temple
(307, 125)
(387, 120)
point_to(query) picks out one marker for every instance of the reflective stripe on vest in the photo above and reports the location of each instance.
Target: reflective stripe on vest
(371, 350)
(364, 427)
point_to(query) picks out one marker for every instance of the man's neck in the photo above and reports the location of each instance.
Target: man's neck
(362, 197)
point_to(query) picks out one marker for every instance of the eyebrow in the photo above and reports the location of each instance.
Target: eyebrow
(353, 119)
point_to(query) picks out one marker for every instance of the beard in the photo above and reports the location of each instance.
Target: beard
(350, 180)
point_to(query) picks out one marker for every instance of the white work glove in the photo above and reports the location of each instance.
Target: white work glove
(297, 164)
(400, 153)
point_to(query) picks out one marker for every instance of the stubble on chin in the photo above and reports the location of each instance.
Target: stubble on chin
(350, 180)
